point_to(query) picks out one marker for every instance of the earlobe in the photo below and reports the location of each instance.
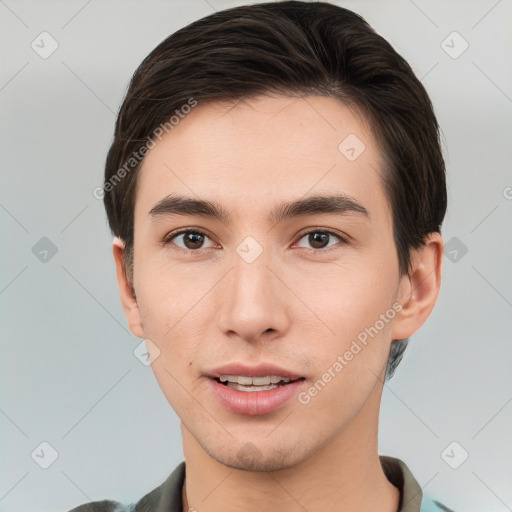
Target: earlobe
(420, 289)
(126, 292)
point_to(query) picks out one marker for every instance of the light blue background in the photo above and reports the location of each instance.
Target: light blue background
(69, 376)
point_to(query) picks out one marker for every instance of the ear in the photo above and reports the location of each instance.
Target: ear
(419, 290)
(128, 299)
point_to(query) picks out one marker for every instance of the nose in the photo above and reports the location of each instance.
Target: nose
(253, 301)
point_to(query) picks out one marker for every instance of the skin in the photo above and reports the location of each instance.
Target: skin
(294, 306)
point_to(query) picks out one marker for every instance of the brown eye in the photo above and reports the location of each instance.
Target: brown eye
(320, 239)
(191, 240)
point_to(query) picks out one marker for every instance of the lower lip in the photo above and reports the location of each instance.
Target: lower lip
(254, 403)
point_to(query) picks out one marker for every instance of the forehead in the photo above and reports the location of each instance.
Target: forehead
(247, 154)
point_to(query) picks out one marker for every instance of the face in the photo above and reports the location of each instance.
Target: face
(308, 293)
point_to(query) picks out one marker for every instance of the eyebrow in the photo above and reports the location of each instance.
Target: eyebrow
(340, 204)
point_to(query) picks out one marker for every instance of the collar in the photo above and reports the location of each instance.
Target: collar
(167, 497)
(400, 476)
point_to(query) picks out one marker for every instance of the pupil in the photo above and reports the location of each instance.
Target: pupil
(317, 238)
(193, 240)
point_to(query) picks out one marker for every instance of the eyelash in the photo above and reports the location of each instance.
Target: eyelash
(169, 237)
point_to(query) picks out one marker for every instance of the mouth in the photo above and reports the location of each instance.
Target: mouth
(254, 399)
(253, 390)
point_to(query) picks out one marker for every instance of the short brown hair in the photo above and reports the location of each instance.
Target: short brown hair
(290, 48)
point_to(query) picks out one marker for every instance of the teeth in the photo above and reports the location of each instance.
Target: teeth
(261, 381)
(240, 387)
(253, 381)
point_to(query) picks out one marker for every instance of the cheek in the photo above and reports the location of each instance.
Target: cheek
(357, 308)
(177, 332)
(173, 317)
(348, 299)
(168, 293)
(350, 362)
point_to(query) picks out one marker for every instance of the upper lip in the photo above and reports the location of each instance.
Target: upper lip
(260, 370)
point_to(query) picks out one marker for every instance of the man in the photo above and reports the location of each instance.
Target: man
(276, 189)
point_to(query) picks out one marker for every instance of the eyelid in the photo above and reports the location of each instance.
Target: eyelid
(344, 239)
(167, 239)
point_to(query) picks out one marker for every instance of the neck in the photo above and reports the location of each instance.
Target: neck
(345, 474)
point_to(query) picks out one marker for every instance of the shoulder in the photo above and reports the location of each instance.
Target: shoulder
(166, 496)
(412, 498)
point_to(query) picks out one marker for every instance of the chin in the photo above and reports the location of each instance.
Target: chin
(251, 458)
